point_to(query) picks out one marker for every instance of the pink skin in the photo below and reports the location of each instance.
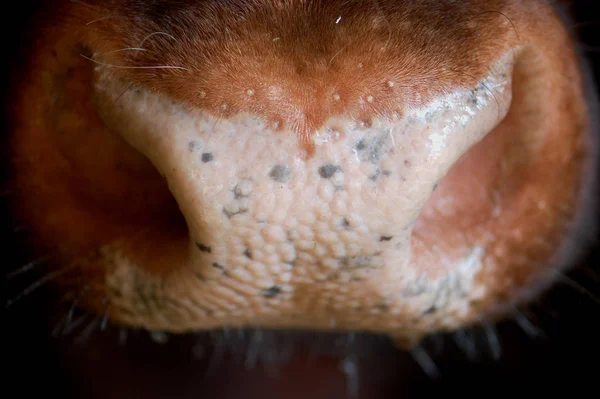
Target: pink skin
(319, 238)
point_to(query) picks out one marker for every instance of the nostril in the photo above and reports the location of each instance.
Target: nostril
(520, 195)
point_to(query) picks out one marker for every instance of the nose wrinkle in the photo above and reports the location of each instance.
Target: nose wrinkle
(304, 236)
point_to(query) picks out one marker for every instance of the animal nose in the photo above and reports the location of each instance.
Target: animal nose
(338, 165)
(302, 164)
(302, 213)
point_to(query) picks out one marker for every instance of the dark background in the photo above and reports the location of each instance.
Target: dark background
(91, 363)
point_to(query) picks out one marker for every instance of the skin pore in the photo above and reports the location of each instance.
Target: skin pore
(133, 231)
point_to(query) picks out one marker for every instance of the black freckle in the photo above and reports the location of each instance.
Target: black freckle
(207, 157)
(430, 310)
(375, 176)
(386, 173)
(384, 307)
(356, 262)
(203, 247)
(371, 150)
(434, 187)
(328, 170)
(192, 146)
(232, 214)
(345, 223)
(218, 266)
(474, 101)
(272, 291)
(407, 164)
(280, 173)
(385, 238)
(248, 253)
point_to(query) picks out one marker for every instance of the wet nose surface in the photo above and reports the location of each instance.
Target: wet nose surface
(337, 166)
(282, 238)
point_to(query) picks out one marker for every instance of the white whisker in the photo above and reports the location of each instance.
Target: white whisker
(426, 363)
(154, 34)
(83, 3)
(98, 20)
(25, 268)
(493, 341)
(575, 285)
(125, 49)
(73, 326)
(39, 283)
(105, 321)
(526, 325)
(389, 26)
(134, 67)
(87, 331)
(466, 343)
(254, 349)
(349, 366)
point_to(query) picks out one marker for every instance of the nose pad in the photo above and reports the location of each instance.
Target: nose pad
(279, 238)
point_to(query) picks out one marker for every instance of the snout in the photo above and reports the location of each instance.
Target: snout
(378, 166)
(313, 229)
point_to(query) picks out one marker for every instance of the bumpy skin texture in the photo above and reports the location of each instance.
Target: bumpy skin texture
(302, 142)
